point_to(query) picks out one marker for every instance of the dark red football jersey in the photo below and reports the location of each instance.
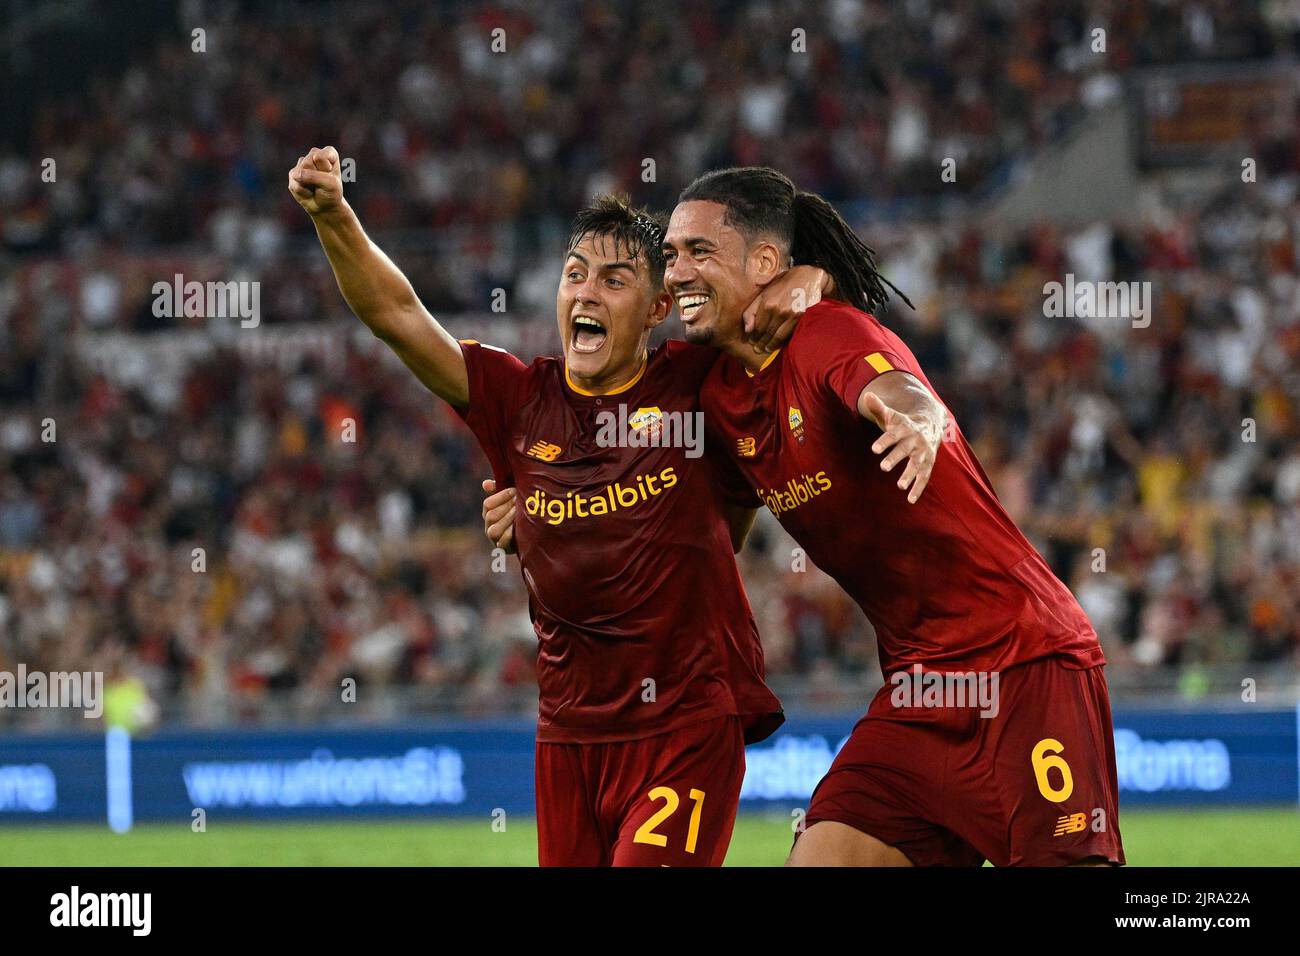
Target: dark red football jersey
(642, 622)
(949, 582)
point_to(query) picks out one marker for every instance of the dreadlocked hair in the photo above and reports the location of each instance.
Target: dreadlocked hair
(638, 231)
(763, 202)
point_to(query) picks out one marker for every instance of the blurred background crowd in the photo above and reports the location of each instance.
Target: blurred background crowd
(178, 504)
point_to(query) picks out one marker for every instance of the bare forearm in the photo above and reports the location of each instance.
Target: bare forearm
(912, 423)
(905, 394)
(375, 289)
(382, 297)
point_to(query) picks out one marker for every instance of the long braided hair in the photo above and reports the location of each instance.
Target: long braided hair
(762, 201)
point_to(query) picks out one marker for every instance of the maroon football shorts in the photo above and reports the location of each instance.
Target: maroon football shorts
(667, 800)
(1034, 785)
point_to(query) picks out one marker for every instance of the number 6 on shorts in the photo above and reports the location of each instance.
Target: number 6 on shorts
(1045, 757)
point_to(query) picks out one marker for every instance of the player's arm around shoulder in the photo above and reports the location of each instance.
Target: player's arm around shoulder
(375, 289)
(771, 319)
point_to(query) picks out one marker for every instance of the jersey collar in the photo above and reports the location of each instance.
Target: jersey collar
(613, 391)
(766, 362)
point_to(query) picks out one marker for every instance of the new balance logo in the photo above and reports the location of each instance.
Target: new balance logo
(745, 447)
(544, 451)
(1071, 823)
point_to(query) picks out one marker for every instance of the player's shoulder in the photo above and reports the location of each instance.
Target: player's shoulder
(501, 365)
(690, 361)
(832, 326)
(553, 364)
(545, 375)
(830, 317)
(678, 350)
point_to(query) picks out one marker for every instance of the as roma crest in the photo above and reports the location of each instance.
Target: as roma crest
(650, 419)
(796, 424)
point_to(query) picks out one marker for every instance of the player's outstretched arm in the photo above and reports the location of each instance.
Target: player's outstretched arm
(375, 289)
(911, 421)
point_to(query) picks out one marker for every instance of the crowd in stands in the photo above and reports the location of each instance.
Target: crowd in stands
(221, 519)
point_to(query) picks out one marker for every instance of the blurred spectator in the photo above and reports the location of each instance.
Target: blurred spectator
(184, 501)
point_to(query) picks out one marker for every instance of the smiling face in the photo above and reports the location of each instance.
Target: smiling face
(713, 272)
(606, 307)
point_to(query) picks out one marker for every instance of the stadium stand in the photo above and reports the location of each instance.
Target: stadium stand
(325, 558)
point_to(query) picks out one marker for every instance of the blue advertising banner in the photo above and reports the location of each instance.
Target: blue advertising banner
(472, 769)
(48, 778)
(1169, 758)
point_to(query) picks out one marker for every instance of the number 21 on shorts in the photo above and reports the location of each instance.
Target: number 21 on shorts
(1047, 756)
(646, 832)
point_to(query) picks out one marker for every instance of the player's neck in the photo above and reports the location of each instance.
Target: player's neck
(610, 385)
(744, 353)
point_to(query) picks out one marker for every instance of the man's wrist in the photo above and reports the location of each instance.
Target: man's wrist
(827, 286)
(335, 216)
(934, 428)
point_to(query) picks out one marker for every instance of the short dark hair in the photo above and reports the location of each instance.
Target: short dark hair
(761, 202)
(639, 231)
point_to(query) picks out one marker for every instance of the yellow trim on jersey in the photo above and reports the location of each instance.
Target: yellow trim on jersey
(766, 362)
(613, 391)
(879, 362)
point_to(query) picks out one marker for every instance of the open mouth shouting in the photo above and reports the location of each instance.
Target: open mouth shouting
(690, 304)
(588, 334)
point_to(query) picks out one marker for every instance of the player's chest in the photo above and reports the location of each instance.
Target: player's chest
(774, 428)
(589, 442)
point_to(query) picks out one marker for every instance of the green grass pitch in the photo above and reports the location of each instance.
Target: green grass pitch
(1243, 837)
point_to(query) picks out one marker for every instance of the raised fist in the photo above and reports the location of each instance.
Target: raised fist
(316, 181)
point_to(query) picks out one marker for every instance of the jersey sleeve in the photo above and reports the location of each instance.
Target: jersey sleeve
(844, 349)
(735, 488)
(497, 386)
